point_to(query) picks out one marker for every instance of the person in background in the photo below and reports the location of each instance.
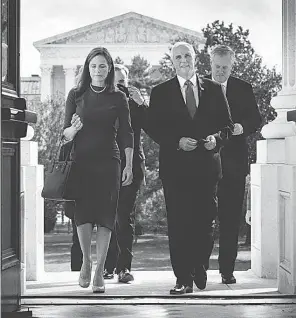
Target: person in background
(119, 257)
(234, 156)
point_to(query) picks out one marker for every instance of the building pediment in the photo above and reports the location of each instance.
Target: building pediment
(127, 28)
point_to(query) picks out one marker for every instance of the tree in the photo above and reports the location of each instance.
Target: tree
(137, 71)
(48, 128)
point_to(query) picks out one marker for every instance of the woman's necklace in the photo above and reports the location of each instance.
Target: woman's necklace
(98, 92)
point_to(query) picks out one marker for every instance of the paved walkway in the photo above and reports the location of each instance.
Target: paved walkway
(59, 296)
(149, 283)
(165, 311)
(151, 253)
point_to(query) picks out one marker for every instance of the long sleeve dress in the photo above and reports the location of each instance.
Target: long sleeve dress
(97, 154)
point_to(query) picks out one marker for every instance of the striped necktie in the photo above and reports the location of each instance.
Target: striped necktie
(190, 99)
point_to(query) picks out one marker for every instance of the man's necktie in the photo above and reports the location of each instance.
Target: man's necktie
(190, 99)
(223, 89)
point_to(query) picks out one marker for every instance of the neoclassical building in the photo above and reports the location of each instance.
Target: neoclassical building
(125, 36)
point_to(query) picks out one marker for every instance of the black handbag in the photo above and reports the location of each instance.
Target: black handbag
(60, 181)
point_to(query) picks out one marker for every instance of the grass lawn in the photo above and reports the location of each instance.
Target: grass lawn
(151, 253)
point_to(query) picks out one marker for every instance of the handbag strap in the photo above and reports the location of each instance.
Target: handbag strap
(62, 141)
(68, 153)
(70, 150)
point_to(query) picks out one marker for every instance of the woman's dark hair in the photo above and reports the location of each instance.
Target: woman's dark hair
(85, 78)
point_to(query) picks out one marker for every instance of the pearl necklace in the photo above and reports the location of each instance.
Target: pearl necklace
(98, 92)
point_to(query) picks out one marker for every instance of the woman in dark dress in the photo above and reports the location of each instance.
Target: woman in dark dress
(95, 113)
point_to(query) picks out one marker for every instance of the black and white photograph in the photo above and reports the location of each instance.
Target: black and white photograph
(148, 159)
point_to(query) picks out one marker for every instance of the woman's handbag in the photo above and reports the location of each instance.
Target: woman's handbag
(60, 181)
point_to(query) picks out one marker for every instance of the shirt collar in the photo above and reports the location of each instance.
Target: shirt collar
(183, 80)
(224, 83)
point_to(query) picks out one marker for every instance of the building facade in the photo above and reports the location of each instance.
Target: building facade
(125, 36)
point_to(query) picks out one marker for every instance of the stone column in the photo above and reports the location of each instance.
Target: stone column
(286, 98)
(70, 80)
(32, 176)
(46, 82)
(273, 177)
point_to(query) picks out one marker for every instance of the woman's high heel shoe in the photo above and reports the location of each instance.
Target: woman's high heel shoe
(85, 276)
(98, 289)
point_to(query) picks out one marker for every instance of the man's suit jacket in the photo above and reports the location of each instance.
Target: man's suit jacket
(169, 121)
(244, 110)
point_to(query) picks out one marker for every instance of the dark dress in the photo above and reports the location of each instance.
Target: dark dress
(96, 153)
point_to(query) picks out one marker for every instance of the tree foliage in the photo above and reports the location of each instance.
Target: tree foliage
(48, 130)
(138, 71)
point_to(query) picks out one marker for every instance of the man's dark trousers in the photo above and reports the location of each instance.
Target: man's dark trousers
(230, 197)
(120, 248)
(191, 208)
(76, 253)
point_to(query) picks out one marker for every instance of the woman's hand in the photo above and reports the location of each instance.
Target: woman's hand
(76, 122)
(127, 176)
(76, 125)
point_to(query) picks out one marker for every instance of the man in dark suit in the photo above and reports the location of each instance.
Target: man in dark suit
(234, 156)
(189, 119)
(119, 257)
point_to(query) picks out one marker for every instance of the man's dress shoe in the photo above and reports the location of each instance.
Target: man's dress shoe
(108, 275)
(181, 289)
(200, 277)
(228, 279)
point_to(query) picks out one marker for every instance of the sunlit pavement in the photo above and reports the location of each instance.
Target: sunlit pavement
(151, 283)
(58, 295)
(165, 311)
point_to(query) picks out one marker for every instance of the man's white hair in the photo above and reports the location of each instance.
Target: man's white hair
(121, 67)
(223, 50)
(183, 43)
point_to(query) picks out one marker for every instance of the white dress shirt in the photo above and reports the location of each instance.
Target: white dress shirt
(224, 84)
(194, 87)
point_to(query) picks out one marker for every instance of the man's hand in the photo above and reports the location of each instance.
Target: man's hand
(187, 144)
(248, 217)
(136, 95)
(238, 129)
(211, 142)
(127, 176)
